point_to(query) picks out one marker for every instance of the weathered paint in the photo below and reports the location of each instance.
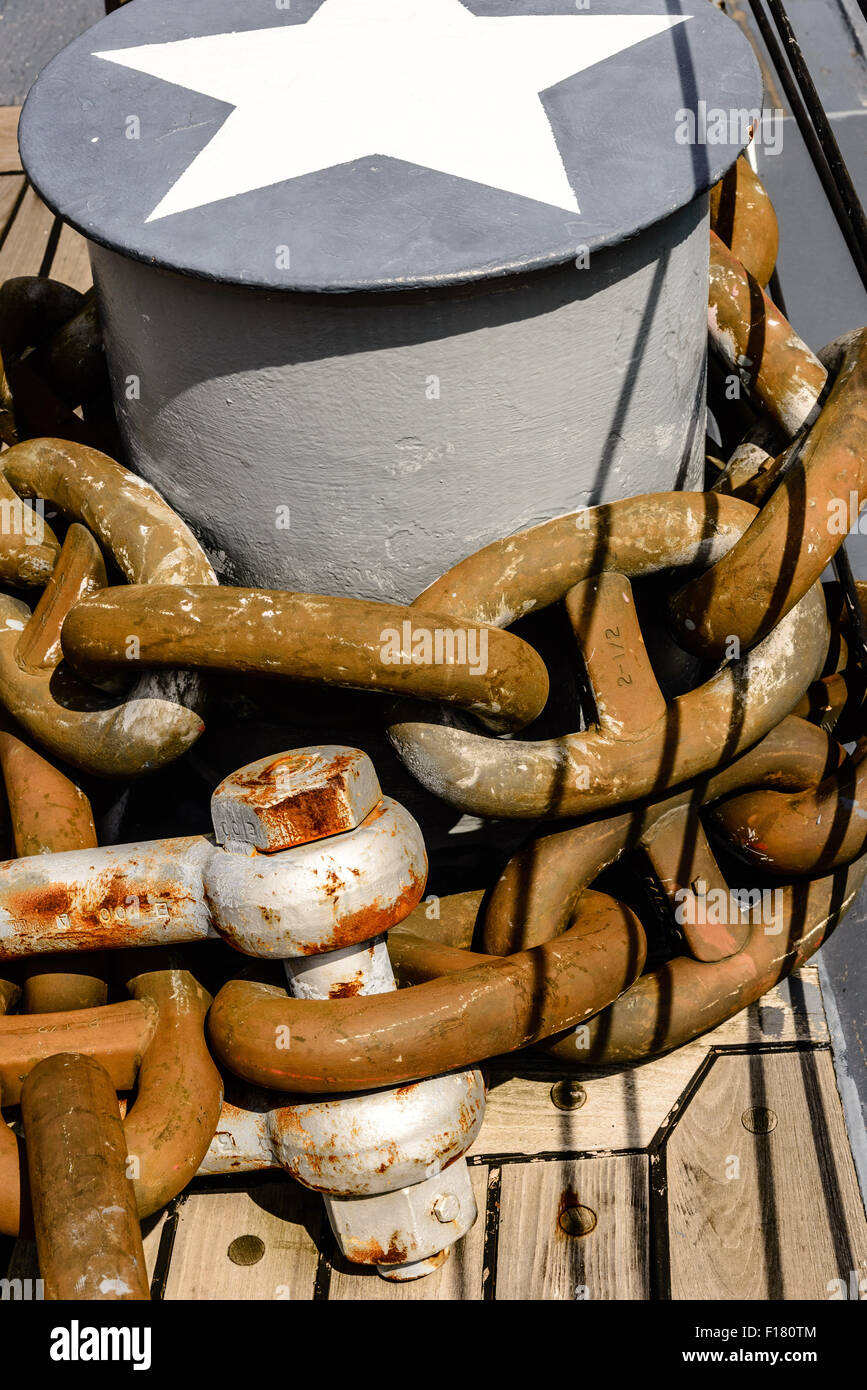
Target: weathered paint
(536, 894)
(401, 1227)
(301, 901)
(342, 974)
(115, 1035)
(743, 217)
(812, 831)
(296, 797)
(364, 1043)
(179, 1093)
(373, 1148)
(755, 339)
(108, 897)
(686, 998)
(344, 642)
(313, 455)
(590, 771)
(159, 718)
(792, 540)
(49, 815)
(320, 896)
(355, 1145)
(153, 1042)
(84, 1210)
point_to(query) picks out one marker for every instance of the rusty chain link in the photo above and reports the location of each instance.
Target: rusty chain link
(640, 745)
(52, 361)
(562, 964)
(732, 957)
(160, 716)
(558, 559)
(153, 1043)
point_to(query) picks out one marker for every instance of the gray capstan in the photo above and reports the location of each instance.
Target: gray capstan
(386, 143)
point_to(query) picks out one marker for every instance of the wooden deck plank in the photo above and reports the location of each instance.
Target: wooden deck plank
(460, 1278)
(536, 1259)
(282, 1215)
(70, 263)
(24, 247)
(151, 1235)
(626, 1108)
(10, 161)
(24, 1262)
(775, 1215)
(11, 186)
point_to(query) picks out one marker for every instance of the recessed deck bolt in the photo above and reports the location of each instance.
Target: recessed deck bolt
(759, 1119)
(568, 1095)
(577, 1220)
(246, 1250)
(447, 1208)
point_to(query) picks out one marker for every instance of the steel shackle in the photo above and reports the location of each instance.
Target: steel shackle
(390, 1167)
(399, 1146)
(296, 901)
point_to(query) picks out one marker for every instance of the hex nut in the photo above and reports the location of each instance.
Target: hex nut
(294, 798)
(446, 1207)
(397, 1228)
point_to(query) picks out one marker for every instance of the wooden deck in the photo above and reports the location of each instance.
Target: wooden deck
(32, 240)
(720, 1172)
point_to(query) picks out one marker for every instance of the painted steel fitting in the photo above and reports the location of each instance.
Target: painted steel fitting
(265, 887)
(389, 1163)
(384, 1161)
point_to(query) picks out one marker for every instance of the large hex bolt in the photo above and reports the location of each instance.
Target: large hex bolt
(389, 1163)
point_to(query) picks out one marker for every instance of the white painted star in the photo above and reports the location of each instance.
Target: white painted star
(425, 81)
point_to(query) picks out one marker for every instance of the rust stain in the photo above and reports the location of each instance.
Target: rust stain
(393, 1156)
(306, 814)
(370, 1252)
(334, 884)
(103, 910)
(347, 989)
(376, 918)
(286, 1121)
(568, 1198)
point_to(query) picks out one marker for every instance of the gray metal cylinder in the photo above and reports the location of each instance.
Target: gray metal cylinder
(385, 280)
(362, 444)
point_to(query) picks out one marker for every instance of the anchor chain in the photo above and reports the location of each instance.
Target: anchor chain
(311, 867)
